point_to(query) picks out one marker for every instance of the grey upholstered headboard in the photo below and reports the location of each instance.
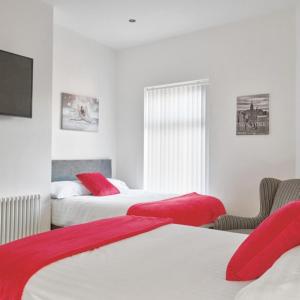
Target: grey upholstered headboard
(67, 169)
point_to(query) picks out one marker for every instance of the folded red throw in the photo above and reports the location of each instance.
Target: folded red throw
(191, 209)
(21, 259)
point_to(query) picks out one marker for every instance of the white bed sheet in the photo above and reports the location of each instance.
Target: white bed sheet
(173, 262)
(82, 209)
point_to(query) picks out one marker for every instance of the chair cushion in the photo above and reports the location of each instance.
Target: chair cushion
(242, 231)
(287, 191)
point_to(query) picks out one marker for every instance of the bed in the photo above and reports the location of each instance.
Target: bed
(137, 258)
(80, 209)
(172, 262)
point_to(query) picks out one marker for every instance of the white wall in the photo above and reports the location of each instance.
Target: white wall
(84, 67)
(297, 111)
(25, 147)
(254, 56)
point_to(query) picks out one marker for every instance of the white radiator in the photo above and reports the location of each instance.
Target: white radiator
(19, 217)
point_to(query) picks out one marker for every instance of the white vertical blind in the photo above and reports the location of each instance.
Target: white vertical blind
(174, 138)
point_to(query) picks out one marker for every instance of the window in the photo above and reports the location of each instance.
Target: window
(175, 138)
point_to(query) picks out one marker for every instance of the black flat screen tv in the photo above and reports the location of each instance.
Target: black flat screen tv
(16, 77)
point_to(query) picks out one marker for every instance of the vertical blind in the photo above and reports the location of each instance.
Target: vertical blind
(175, 138)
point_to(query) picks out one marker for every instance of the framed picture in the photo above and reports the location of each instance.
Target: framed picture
(253, 115)
(79, 112)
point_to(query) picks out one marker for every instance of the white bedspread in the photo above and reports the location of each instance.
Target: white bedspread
(170, 263)
(82, 209)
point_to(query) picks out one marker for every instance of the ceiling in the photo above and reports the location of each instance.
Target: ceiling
(106, 21)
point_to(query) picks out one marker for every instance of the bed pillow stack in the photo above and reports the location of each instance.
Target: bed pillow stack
(281, 282)
(276, 235)
(97, 184)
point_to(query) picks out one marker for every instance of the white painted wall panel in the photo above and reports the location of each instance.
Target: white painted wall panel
(84, 67)
(25, 144)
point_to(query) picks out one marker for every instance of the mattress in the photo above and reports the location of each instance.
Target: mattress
(173, 262)
(82, 209)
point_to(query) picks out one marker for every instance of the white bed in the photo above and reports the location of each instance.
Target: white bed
(173, 262)
(82, 209)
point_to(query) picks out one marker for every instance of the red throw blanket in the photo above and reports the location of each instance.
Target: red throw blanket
(191, 209)
(21, 259)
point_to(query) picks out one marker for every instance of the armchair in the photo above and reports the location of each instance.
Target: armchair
(273, 195)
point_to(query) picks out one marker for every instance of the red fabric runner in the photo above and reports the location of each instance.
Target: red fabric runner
(191, 209)
(21, 259)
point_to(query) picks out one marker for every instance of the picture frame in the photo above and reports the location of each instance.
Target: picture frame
(80, 113)
(253, 115)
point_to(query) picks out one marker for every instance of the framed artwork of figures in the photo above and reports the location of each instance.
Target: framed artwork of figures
(79, 112)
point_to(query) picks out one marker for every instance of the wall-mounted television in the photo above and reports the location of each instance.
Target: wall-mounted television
(16, 77)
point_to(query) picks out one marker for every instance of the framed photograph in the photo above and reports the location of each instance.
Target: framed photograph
(253, 115)
(79, 112)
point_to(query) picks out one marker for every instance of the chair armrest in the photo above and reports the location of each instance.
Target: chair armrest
(229, 222)
(268, 188)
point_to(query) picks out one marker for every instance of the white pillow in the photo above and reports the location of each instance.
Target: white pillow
(64, 189)
(119, 184)
(280, 282)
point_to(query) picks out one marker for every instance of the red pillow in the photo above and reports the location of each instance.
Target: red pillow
(276, 235)
(97, 184)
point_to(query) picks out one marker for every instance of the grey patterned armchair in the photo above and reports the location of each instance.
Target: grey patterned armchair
(273, 195)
